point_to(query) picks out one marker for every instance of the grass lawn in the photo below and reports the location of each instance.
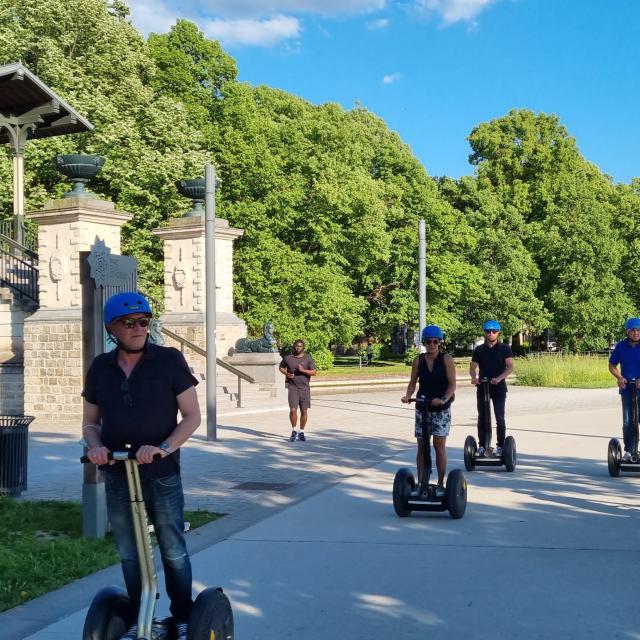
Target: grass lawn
(42, 548)
(558, 370)
(347, 367)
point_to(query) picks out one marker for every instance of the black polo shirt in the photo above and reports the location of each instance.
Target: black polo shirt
(143, 408)
(492, 361)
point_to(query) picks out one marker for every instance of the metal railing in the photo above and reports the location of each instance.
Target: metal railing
(241, 375)
(7, 228)
(18, 268)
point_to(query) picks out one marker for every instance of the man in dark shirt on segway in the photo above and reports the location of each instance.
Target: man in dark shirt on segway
(494, 360)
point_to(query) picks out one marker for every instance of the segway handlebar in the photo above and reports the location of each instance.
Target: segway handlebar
(119, 456)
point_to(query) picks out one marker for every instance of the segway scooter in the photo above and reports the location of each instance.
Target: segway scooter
(614, 455)
(108, 617)
(471, 457)
(408, 497)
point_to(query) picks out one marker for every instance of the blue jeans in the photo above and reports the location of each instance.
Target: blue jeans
(628, 430)
(164, 502)
(498, 399)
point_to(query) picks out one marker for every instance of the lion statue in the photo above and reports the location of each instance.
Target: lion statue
(264, 344)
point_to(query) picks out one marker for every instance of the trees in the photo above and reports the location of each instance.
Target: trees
(531, 163)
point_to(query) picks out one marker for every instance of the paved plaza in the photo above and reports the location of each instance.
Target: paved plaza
(551, 550)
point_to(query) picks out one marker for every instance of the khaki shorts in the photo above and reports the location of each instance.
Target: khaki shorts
(299, 397)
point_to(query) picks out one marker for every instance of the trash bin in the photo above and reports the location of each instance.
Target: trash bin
(14, 437)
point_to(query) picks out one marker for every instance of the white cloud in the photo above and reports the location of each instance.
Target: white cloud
(382, 23)
(152, 15)
(263, 33)
(452, 11)
(390, 78)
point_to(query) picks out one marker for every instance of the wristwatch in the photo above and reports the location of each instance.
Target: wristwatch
(444, 399)
(166, 447)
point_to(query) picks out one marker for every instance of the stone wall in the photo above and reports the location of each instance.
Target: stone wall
(53, 368)
(11, 389)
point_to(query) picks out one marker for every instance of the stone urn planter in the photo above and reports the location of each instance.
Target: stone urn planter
(79, 169)
(195, 191)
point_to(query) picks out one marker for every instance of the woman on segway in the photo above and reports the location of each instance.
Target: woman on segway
(435, 372)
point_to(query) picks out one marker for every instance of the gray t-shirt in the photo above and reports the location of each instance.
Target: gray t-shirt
(301, 380)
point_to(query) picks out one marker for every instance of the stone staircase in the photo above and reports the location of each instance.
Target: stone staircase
(254, 396)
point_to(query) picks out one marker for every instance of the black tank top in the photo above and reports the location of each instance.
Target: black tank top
(434, 383)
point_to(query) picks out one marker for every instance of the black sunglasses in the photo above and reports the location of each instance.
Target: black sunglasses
(436, 341)
(491, 331)
(129, 323)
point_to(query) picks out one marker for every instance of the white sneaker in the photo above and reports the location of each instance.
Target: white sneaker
(626, 457)
(498, 451)
(481, 452)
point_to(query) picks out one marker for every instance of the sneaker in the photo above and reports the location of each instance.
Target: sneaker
(181, 630)
(302, 437)
(626, 457)
(441, 492)
(481, 452)
(498, 451)
(293, 436)
(132, 634)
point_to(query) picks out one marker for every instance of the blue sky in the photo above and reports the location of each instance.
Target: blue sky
(433, 69)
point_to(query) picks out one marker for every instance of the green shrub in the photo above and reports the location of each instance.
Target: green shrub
(411, 355)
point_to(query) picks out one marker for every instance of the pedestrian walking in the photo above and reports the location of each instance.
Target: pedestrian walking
(298, 369)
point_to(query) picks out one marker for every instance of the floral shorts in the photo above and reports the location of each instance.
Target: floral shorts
(436, 423)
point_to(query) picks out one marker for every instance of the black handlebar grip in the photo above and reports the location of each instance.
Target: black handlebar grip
(131, 456)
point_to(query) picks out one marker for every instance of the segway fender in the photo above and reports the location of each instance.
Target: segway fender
(509, 453)
(211, 617)
(403, 484)
(470, 449)
(614, 457)
(109, 615)
(456, 494)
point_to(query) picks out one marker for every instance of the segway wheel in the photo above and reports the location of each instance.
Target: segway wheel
(470, 449)
(403, 485)
(211, 617)
(509, 452)
(456, 494)
(614, 457)
(109, 616)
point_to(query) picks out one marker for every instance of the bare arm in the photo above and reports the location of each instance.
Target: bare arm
(473, 372)
(190, 413)
(411, 387)
(91, 427)
(620, 379)
(507, 371)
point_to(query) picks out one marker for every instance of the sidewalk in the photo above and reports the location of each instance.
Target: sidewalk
(325, 556)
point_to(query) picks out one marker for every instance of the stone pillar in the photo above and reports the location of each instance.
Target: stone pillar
(184, 284)
(53, 335)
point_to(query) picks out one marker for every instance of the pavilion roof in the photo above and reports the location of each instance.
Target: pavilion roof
(24, 95)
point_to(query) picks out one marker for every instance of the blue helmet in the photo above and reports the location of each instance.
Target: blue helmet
(432, 331)
(632, 323)
(491, 324)
(122, 304)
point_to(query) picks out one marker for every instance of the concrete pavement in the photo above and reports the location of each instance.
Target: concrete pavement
(548, 551)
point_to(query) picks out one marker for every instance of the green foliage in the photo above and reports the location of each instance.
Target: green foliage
(411, 355)
(561, 370)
